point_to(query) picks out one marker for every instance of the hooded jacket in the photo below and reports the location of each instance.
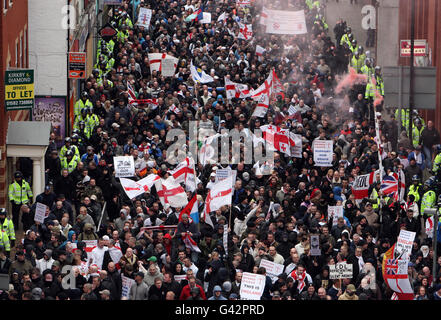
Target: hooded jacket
(88, 233)
(44, 264)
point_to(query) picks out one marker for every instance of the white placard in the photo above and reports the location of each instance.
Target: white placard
(296, 151)
(340, 270)
(335, 212)
(126, 285)
(168, 67)
(145, 15)
(315, 246)
(206, 17)
(243, 3)
(222, 174)
(252, 286)
(124, 166)
(404, 244)
(180, 277)
(272, 269)
(40, 212)
(286, 22)
(323, 150)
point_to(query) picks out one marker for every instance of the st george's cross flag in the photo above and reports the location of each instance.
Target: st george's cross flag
(156, 59)
(262, 94)
(236, 90)
(185, 173)
(280, 139)
(219, 195)
(170, 192)
(245, 31)
(135, 188)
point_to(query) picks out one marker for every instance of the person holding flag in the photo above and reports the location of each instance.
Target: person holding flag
(187, 231)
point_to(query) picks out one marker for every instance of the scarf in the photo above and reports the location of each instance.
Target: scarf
(300, 279)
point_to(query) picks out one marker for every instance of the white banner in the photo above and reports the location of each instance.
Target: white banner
(124, 166)
(340, 270)
(272, 269)
(322, 150)
(252, 286)
(285, 22)
(145, 15)
(40, 213)
(334, 212)
(404, 244)
(126, 285)
(168, 67)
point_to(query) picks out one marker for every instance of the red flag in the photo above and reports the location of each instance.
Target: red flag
(189, 208)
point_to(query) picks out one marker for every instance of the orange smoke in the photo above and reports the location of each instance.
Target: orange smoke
(350, 79)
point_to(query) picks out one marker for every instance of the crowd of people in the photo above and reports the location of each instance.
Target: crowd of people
(86, 202)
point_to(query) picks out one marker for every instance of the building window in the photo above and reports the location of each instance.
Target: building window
(10, 3)
(5, 6)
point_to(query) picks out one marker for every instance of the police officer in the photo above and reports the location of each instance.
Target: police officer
(367, 69)
(19, 193)
(7, 232)
(428, 200)
(81, 117)
(379, 86)
(416, 189)
(68, 146)
(437, 160)
(357, 62)
(92, 121)
(78, 142)
(82, 103)
(417, 129)
(70, 162)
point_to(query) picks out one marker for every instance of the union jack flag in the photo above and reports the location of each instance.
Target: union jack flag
(391, 266)
(392, 185)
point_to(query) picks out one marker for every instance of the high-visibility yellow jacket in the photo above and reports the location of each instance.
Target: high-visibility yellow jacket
(428, 201)
(65, 149)
(70, 166)
(7, 233)
(416, 135)
(415, 191)
(80, 105)
(436, 163)
(20, 194)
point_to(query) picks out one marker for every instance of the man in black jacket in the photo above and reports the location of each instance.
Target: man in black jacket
(170, 284)
(5, 262)
(410, 223)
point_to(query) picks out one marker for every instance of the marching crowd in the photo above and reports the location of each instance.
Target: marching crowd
(85, 202)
